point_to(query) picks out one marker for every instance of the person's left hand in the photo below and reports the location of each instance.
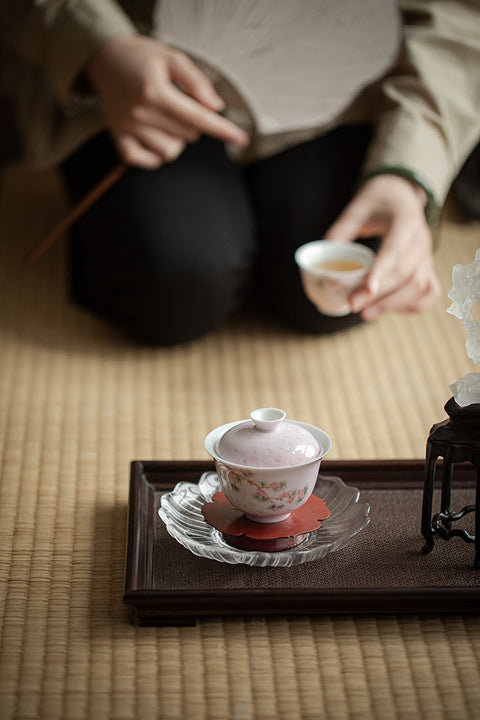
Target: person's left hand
(403, 276)
(155, 100)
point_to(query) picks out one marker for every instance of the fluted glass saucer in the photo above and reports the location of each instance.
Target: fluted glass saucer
(181, 511)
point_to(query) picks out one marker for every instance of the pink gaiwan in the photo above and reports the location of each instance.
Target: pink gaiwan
(267, 466)
(267, 441)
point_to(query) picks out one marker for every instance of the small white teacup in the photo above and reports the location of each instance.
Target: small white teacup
(331, 271)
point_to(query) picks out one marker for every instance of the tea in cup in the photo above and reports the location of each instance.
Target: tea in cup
(331, 271)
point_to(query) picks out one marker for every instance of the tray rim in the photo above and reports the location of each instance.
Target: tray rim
(156, 606)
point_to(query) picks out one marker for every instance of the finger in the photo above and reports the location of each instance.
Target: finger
(134, 153)
(193, 81)
(414, 296)
(372, 228)
(397, 258)
(348, 225)
(394, 268)
(146, 115)
(190, 112)
(166, 146)
(394, 272)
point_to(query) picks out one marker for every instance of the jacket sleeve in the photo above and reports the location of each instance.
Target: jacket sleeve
(429, 120)
(60, 35)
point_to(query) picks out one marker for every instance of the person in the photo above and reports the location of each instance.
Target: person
(238, 154)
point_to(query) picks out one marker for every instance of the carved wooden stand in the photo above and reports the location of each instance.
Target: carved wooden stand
(456, 440)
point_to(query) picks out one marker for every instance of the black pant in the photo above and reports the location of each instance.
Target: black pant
(168, 254)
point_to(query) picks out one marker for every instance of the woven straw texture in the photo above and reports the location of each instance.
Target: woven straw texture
(78, 403)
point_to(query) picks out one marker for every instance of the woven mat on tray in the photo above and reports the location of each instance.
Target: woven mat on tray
(78, 403)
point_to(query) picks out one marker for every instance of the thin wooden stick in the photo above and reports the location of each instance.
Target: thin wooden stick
(89, 199)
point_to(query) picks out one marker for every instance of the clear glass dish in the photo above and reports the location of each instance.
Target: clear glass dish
(181, 511)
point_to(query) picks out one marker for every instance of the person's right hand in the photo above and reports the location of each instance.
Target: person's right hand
(155, 100)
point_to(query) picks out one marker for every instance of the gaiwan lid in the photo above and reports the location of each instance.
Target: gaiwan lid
(268, 440)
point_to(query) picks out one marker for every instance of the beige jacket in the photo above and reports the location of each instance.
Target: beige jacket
(425, 109)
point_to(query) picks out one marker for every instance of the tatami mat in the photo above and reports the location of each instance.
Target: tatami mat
(78, 403)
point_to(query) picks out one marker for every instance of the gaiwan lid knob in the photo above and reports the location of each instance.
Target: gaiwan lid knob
(268, 440)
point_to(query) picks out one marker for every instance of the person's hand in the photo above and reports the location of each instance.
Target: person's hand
(155, 100)
(403, 276)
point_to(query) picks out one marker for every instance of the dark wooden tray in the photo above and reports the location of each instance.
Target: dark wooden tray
(382, 570)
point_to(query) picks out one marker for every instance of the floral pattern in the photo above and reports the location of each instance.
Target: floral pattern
(274, 494)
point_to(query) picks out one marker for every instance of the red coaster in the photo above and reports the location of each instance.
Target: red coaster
(247, 534)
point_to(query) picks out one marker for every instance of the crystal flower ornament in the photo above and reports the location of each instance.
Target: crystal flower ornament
(465, 294)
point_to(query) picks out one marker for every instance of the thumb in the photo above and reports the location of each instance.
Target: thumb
(348, 226)
(194, 82)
